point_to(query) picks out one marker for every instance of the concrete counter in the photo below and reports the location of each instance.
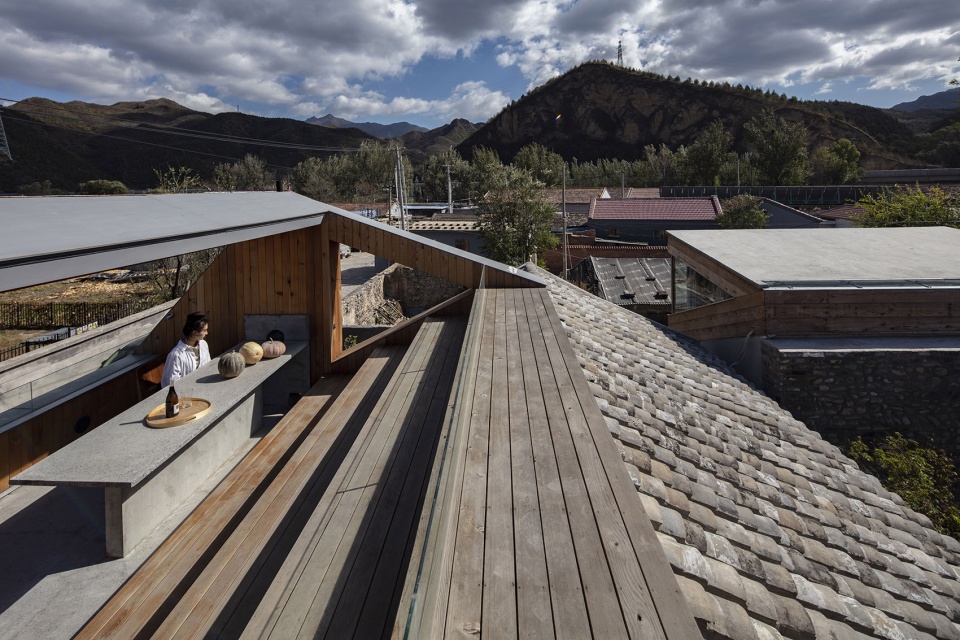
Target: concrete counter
(146, 473)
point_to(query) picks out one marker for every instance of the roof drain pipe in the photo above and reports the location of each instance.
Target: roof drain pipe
(743, 350)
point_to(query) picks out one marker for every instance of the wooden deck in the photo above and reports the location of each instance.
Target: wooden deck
(474, 490)
(537, 531)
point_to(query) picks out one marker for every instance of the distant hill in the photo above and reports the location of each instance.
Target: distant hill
(949, 99)
(382, 131)
(420, 145)
(599, 110)
(70, 143)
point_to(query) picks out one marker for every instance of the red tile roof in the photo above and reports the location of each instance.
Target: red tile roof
(656, 209)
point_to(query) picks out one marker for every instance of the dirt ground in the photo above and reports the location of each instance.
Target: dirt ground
(77, 291)
(13, 337)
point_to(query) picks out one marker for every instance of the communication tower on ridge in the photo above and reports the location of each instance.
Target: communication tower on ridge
(620, 53)
(4, 147)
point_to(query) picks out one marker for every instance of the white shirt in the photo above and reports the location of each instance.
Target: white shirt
(183, 360)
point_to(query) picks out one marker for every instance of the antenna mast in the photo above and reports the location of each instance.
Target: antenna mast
(4, 147)
(620, 53)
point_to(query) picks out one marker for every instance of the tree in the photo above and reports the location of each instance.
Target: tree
(486, 172)
(314, 179)
(924, 477)
(909, 207)
(435, 176)
(102, 188)
(742, 212)
(702, 162)
(781, 156)
(177, 180)
(544, 165)
(249, 174)
(837, 164)
(515, 219)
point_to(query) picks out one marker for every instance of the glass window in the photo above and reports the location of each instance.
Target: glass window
(694, 290)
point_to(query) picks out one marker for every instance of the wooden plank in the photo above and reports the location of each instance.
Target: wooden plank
(301, 598)
(162, 577)
(673, 617)
(724, 306)
(281, 266)
(464, 608)
(590, 541)
(499, 570)
(426, 589)
(200, 605)
(534, 615)
(403, 497)
(570, 616)
(862, 296)
(864, 310)
(863, 326)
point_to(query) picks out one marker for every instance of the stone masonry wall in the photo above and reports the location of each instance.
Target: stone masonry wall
(414, 290)
(845, 394)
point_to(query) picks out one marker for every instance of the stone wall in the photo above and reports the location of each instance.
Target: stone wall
(414, 290)
(845, 394)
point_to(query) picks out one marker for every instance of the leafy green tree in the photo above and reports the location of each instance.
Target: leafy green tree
(177, 180)
(702, 161)
(515, 219)
(659, 166)
(314, 178)
(486, 172)
(742, 212)
(249, 174)
(435, 176)
(102, 188)
(544, 165)
(925, 478)
(909, 207)
(781, 146)
(836, 164)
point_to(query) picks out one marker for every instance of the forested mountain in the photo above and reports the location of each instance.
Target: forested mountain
(375, 129)
(599, 110)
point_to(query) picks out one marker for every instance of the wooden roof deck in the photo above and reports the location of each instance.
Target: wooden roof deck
(536, 530)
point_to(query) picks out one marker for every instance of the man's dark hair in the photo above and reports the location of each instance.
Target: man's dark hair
(195, 322)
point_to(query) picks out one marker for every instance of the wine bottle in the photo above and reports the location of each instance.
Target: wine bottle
(173, 403)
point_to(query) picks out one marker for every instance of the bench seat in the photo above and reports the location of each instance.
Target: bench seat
(315, 522)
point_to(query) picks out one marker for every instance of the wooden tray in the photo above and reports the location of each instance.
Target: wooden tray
(197, 409)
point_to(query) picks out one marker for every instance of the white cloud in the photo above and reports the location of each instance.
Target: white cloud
(298, 57)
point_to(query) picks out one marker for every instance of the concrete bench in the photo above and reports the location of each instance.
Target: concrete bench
(146, 473)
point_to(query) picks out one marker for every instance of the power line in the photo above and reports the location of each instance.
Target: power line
(171, 130)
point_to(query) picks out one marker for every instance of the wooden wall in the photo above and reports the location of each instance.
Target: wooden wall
(863, 312)
(281, 274)
(851, 312)
(731, 318)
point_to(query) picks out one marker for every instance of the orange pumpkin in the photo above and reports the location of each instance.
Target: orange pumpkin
(273, 348)
(251, 352)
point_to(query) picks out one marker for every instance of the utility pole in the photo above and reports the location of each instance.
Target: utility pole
(563, 209)
(449, 192)
(4, 147)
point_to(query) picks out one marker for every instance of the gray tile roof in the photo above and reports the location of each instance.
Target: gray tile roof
(634, 281)
(771, 530)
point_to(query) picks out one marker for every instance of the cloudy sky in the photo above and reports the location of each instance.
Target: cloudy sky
(429, 61)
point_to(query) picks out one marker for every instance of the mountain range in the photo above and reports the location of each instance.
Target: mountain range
(949, 99)
(375, 129)
(594, 111)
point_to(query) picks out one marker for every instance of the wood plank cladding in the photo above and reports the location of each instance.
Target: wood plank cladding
(441, 261)
(825, 312)
(731, 318)
(863, 312)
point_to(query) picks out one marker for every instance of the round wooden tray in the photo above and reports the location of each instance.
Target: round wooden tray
(197, 409)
